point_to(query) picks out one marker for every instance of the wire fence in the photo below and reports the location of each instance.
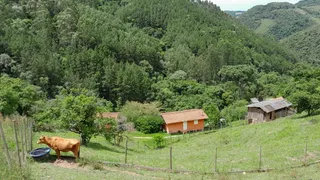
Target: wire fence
(223, 159)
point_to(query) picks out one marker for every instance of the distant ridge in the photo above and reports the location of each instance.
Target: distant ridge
(296, 25)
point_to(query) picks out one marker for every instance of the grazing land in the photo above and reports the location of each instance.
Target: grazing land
(282, 141)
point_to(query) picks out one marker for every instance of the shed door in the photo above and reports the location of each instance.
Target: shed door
(185, 125)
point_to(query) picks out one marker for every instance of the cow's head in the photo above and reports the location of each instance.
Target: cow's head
(41, 140)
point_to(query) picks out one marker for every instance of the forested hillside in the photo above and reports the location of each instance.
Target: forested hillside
(296, 24)
(181, 54)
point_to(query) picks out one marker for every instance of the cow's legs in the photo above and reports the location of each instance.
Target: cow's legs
(58, 154)
(76, 150)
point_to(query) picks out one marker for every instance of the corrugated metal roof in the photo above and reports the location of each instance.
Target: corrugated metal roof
(254, 100)
(272, 105)
(180, 116)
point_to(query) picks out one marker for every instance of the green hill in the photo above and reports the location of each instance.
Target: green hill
(295, 24)
(86, 44)
(308, 3)
(306, 43)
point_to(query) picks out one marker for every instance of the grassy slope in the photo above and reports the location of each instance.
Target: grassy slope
(282, 142)
(265, 26)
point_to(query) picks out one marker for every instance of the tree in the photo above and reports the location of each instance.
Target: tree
(149, 124)
(242, 75)
(17, 96)
(78, 112)
(106, 127)
(306, 101)
(7, 64)
(235, 111)
(213, 114)
(304, 94)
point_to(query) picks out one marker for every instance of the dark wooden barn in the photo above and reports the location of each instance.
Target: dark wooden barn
(268, 110)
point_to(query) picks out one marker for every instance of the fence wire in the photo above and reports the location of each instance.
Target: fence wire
(229, 158)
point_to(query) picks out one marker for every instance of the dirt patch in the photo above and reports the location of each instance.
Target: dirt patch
(66, 164)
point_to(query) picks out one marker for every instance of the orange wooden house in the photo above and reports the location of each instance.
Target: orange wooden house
(184, 121)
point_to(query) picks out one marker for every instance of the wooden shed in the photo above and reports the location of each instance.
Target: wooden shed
(268, 110)
(184, 121)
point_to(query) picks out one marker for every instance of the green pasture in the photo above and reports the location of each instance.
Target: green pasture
(283, 143)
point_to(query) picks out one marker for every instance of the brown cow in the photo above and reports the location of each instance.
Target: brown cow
(60, 144)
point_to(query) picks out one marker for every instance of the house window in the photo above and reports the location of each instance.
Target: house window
(195, 121)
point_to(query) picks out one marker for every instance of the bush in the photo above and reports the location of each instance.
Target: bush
(149, 124)
(134, 110)
(213, 113)
(158, 141)
(235, 111)
(106, 127)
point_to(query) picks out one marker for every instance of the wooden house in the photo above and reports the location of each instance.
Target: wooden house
(268, 110)
(184, 121)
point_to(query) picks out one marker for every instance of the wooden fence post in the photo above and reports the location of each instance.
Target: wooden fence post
(22, 138)
(5, 144)
(31, 131)
(17, 142)
(216, 161)
(260, 159)
(170, 158)
(305, 153)
(125, 158)
(25, 133)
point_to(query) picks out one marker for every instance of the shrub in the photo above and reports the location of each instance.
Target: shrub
(106, 127)
(235, 111)
(149, 124)
(213, 113)
(158, 141)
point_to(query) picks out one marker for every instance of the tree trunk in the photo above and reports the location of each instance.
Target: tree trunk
(84, 139)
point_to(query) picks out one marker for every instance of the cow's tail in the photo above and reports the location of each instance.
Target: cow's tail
(79, 150)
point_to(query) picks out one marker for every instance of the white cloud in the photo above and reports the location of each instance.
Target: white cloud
(244, 4)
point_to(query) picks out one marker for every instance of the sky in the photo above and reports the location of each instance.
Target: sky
(244, 4)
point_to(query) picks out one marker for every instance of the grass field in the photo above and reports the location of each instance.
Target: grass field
(266, 24)
(283, 144)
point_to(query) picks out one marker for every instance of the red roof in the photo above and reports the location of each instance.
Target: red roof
(186, 115)
(113, 115)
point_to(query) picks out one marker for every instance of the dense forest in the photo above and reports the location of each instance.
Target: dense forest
(97, 55)
(295, 25)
